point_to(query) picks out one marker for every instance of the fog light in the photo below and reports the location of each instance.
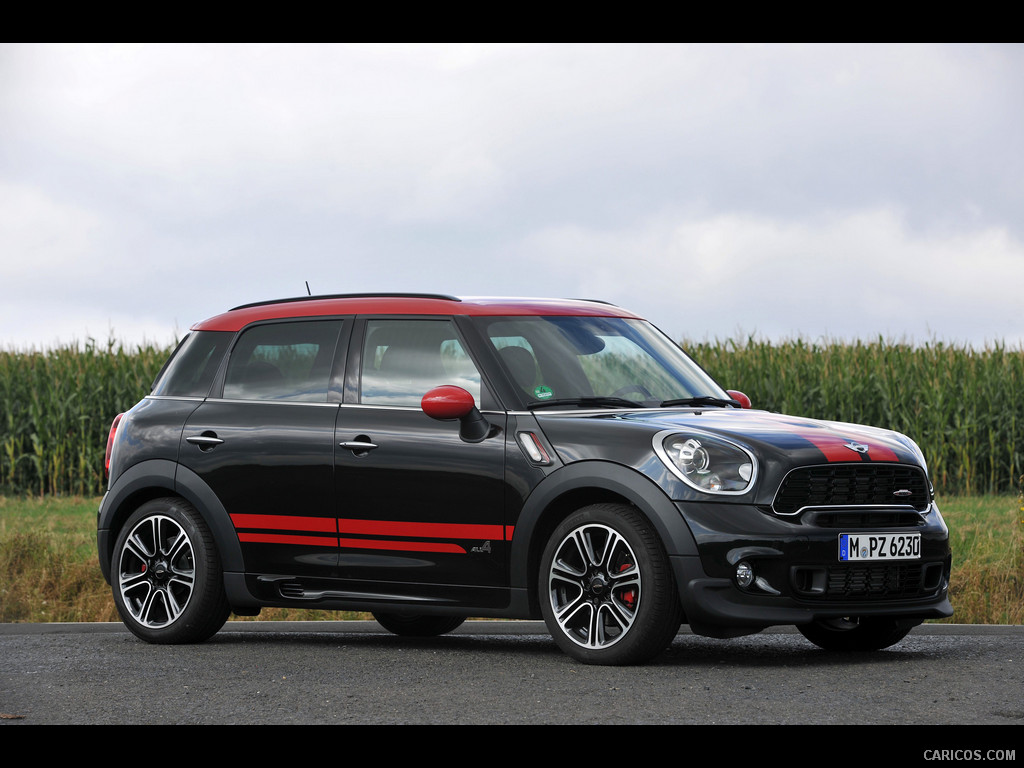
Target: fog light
(744, 574)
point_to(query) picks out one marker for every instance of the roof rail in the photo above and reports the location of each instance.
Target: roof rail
(596, 301)
(440, 296)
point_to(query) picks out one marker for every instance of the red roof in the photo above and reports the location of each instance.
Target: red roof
(404, 304)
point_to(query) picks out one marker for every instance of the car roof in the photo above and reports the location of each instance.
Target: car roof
(404, 304)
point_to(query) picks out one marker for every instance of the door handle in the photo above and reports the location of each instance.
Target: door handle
(357, 446)
(206, 441)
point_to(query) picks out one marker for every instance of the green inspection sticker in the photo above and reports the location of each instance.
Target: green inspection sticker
(542, 392)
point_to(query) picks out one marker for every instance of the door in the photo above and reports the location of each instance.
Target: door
(266, 446)
(417, 507)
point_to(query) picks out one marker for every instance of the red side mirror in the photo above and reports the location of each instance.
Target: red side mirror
(739, 397)
(447, 402)
(451, 402)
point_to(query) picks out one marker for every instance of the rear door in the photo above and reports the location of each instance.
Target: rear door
(265, 445)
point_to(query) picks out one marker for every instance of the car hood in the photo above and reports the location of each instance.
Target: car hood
(774, 437)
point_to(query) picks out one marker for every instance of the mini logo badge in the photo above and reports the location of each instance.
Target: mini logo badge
(858, 447)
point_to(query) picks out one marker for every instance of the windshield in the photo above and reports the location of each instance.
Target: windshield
(564, 358)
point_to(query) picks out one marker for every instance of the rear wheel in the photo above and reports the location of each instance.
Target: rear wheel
(853, 633)
(606, 589)
(418, 626)
(167, 580)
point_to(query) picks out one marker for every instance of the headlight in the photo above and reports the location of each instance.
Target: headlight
(706, 462)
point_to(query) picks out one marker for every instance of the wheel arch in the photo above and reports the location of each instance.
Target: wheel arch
(152, 479)
(578, 485)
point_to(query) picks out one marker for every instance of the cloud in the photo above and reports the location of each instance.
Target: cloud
(852, 274)
(787, 189)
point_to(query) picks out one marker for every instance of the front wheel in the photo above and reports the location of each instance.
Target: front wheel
(606, 588)
(418, 626)
(852, 633)
(166, 574)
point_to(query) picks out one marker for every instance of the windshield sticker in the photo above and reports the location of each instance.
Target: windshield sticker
(542, 392)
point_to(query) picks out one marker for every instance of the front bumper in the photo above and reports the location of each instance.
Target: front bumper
(798, 577)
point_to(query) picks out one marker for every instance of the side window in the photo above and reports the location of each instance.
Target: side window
(518, 357)
(192, 367)
(403, 359)
(283, 361)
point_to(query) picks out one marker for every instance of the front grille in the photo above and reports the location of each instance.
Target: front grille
(886, 581)
(852, 485)
(855, 518)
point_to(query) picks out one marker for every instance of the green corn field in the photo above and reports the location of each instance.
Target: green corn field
(962, 405)
(57, 406)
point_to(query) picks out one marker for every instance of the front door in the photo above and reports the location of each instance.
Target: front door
(415, 504)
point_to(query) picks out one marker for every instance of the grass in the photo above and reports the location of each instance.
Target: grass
(49, 571)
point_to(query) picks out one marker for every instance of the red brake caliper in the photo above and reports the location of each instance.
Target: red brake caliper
(629, 596)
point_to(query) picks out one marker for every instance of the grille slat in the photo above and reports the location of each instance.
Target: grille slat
(877, 581)
(852, 485)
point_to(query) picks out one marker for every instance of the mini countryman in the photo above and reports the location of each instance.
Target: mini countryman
(428, 458)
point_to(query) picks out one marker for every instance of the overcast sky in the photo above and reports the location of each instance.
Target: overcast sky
(817, 191)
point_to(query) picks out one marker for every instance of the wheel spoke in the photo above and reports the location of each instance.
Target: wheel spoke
(137, 547)
(174, 608)
(178, 546)
(146, 607)
(565, 611)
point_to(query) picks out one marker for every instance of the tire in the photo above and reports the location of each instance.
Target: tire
(606, 589)
(854, 633)
(166, 575)
(418, 626)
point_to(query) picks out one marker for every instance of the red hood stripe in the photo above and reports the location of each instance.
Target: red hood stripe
(833, 443)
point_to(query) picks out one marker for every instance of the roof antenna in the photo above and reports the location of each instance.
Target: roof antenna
(308, 292)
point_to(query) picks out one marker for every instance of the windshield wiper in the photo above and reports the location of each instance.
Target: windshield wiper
(607, 402)
(702, 400)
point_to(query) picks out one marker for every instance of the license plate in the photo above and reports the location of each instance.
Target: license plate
(879, 546)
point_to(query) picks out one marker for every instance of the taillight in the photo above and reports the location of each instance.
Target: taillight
(110, 444)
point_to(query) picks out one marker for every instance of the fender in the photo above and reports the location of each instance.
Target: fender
(160, 477)
(636, 488)
(193, 489)
(129, 489)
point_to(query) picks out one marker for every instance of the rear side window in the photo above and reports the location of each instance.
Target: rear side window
(193, 366)
(283, 361)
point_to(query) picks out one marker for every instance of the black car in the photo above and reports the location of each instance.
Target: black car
(429, 458)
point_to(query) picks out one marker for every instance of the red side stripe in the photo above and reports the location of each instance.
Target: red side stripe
(423, 530)
(411, 546)
(285, 523)
(284, 538)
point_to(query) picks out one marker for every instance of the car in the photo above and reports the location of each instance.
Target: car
(429, 458)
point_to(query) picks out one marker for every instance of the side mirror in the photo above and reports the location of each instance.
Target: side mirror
(739, 397)
(449, 402)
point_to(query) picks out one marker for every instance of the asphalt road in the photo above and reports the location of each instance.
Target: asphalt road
(495, 673)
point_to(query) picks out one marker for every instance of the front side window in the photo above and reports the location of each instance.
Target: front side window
(283, 361)
(403, 359)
